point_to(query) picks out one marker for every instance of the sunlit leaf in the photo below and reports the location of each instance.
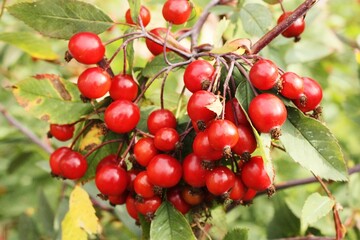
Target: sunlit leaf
(220, 29)
(30, 43)
(256, 19)
(158, 64)
(238, 46)
(61, 18)
(134, 9)
(237, 234)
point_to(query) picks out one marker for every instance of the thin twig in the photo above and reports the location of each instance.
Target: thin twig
(2, 8)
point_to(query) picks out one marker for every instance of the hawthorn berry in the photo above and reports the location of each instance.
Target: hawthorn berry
(247, 141)
(173, 195)
(122, 116)
(291, 85)
(164, 171)
(132, 173)
(111, 159)
(94, 82)
(86, 47)
(55, 158)
(148, 206)
(202, 148)
(198, 75)
(220, 180)
(144, 151)
(254, 175)
(222, 134)
(118, 199)
(192, 196)
(263, 74)
(295, 29)
(234, 112)
(176, 11)
(130, 207)
(144, 14)
(160, 118)
(194, 172)
(165, 139)
(73, 165)
(111, 180)
(142, 185)
(238, 191)
(267, 112)
(312, 95)
(155, 48)
(123, 87)
(197, 106)
(62, 132)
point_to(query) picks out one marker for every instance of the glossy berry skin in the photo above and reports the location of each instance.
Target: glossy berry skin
(148, 206)
(154, 47)
(144, 15)
(130, 207)
(193, 171)
(220, 180)
(123, 87)
(132, 173)
(198, 75)
(118, 199)
(160, 118)
(173, 195)
(164, 171)
(73, 165)
(94, 82)
(267, 112)
(247, 141)
(313, 94)
(197, 106)
(238, 190)
(176, 11)
(249, 195)
(234, 112)
(295, 29)
(86, 48)
(192, 196)
(142, 185)
(144, 151)
(122, 116)
(62, 132)
(222, 134)
(254, 175)
(292, 85)
(111, 159)
(111, 180)
(263, 74)
(165, 139)
(203, 149)
(55, 159)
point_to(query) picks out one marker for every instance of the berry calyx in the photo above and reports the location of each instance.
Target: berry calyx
(198, 75)
(123, 87)
(176, 11)
(264, 74)
(86, 48)
(62, 132)
(144, 14)
(94, 82)
(312, 95)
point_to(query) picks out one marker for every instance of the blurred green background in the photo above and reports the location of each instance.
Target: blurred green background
(32, 204)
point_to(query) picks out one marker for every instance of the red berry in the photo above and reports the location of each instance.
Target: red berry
(165, 139)
(118, 199)
(144, 15)
(55, 159)
(234, 112)
(164, 171)
(160, 118)
(263, 74)
(155, 48)
(198, 75)
(247, 141)
(148, 206)
(312, 93)
(94, 82)
(292, 86)
(197, 106)
(222, 134)
(144, 151)
(267, 112)
(123, 87)
(238, 191)
(130, 207)
(254, 175)
(173, 195)
(142, 185)
(111, 159)
(132, 173)
(86, 47)
(111, 180)
(295, 29)
(62, 132)
(192, 196)
(203, 149)
(249, 195)
(220, 180)
(122, 116)
(193, 171)
(73, 165)
(176, 11)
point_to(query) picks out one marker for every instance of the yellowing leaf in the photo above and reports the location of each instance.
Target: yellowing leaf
(357, 56)
(92, 138)
(216, 106)
(239, 46)
(80, 220)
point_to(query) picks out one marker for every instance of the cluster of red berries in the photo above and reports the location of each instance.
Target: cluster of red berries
(221, 164)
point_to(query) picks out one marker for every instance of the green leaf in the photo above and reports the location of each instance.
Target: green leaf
(61, 18)
(45, 215)
(145, 227)
(30, 43)
(50, 98)
(237, 234)
(256, 19)
(219, 31)
(313, 146)
(244, 93)
(135, 6)
(315, 207)
(158, 64)
(27, 228)
(170, 224)
(306, 51)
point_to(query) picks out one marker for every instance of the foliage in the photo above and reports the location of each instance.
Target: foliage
(37, 82)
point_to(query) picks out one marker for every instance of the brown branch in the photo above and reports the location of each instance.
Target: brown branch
(279, 28)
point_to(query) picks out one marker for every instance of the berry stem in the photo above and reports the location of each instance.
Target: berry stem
(121, 37)
(178, 107)
(246, 75)
(130, 145)
(165, 45)
(80, 133)
(282, 26)
(101, 145)
(163, 88)
(226, 85)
